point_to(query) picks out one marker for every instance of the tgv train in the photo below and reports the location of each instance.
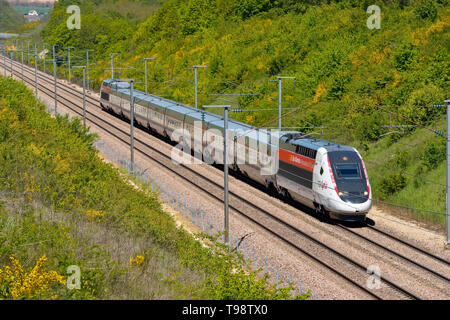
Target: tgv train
(325, 176)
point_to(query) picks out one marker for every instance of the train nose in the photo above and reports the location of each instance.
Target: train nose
(355, 196)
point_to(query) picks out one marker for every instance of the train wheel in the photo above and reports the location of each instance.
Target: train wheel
(207, 157)
(321, 210)
(325, 213)
(285, 194)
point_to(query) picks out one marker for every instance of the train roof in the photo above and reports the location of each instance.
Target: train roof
(305, 140)
(123, 87)
(291, 137)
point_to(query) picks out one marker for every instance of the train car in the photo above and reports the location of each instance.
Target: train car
(327, 177)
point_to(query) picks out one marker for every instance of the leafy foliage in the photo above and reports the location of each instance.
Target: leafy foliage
(392, 184)
(425, 9)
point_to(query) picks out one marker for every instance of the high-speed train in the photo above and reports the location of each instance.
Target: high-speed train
(325, 176)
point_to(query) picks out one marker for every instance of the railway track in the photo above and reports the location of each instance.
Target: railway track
(358, 274)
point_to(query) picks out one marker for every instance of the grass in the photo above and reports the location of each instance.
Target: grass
(406, 154)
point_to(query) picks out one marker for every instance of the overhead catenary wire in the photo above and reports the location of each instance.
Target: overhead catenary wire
(409, 120)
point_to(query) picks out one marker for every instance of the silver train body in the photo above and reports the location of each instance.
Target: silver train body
(322, 175)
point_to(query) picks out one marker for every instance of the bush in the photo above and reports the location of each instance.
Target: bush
(247, 8)
(392, 184)
(434, 154)
(405, 57)
(426, 10)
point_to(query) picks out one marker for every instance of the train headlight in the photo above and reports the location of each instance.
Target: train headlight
(340, 194)
(366, 193)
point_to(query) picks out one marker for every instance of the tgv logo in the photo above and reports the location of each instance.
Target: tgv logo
(253, 148)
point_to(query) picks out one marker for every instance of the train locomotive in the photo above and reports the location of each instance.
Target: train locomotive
(327, 177)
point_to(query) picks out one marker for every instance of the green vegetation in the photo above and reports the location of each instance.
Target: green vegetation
(59, 199)
(9, 18)
(343, 70)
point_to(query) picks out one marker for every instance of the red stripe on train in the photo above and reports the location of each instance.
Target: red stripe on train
(296, 159)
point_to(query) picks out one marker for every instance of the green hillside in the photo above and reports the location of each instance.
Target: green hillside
(342, 68)
(9, 18)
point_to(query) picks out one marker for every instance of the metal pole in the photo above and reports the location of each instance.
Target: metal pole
(279, 98)
(195, 69)
(225, 171)
(225, 168)
(279, 104)
(4, 58)
(132, 127)
(112, 64)
(54, 78)
(145, 71)
(195, 83)
(44, 54)
(87, 68)
(35, 71)
(22, 63)
(84, 96)
(28, 54)
(69, 64)
(447, 218)
(11, 57)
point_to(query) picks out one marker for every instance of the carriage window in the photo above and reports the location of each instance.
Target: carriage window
(347, 170)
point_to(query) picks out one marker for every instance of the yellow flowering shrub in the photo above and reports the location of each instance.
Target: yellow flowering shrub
(137, 261)
(438, 27)
(92, 214)
(319, 92)
(249, 119)
(261, 66)
(376, 57)
(15, 283)
(62, 166)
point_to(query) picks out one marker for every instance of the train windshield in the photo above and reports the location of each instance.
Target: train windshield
(348, 170)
